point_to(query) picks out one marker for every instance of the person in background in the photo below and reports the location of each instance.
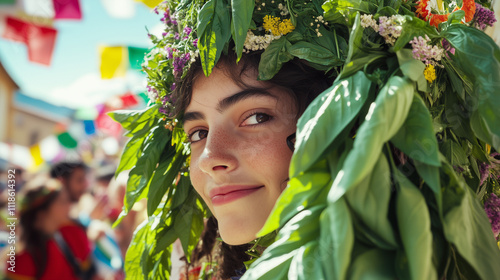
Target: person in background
(53, 246)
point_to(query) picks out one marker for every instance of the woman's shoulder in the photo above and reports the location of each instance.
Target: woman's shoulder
(76, 237)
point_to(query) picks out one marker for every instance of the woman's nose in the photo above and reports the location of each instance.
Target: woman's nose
(218, 155)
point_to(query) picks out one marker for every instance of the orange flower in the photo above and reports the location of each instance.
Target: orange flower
(421, 11)
(468, 6)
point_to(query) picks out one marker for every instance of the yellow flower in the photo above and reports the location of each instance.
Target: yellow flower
(286, 26)
(271, 24)
(277, 26)
(430, 73)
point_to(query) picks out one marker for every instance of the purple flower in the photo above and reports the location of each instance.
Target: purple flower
(492, 208)
(187, 30)
(164, 34)
(195, 43)
(447, 47)
(172, 87)
(170, 54)
(176, 36)
(483, 17)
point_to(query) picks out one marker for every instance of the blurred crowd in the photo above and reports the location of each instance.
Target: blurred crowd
(61, 225)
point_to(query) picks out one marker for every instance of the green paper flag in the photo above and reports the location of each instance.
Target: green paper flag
(144, 96)
(67, 140)
(7, 2)
(136, 57)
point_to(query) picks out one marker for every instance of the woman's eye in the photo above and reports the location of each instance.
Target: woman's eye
(256, 118)
(198, 135)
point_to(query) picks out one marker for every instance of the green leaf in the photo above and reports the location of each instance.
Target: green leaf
(130, 154)
(129, 119)
(163, 178)
(188, 225)
(374, 264)
(275, 261)
(140, 174)
(454, 153)
(414, 27)
(384, 119)
(275, 55)
(214, 30)
(369, 201)
(241, 11)
(336, 239)
(411, 68)
(456, 17)
(314, 53)
(302, 191)
(479, 57)
(482, 131)
(416, 137)
(467, 227)
(304, 265)
(133, 257)
(415, 228)
(338, 105)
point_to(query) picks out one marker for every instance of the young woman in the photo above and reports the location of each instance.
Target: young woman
(54, 247)
(240, 130)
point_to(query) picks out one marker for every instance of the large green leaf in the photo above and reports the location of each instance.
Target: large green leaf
(314, 53)
(417, 140)
(305, 265)
(479, 57)
(273, 58)
(384, 119)
(274, 263)
(241, 11)
(336, 239)
(415, 228)
(325, 118)
(130, 154)
(214, 31)
(467, 227)
(302, 191)
(369, 200)
(374, 264)
(482, 131)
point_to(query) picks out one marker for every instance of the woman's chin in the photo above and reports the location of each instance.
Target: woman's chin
(237, 236)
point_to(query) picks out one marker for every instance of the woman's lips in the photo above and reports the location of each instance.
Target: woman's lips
(226, 194)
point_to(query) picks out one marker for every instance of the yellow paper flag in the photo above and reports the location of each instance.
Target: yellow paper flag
(36, 155)
(150, 3)
(114, 62)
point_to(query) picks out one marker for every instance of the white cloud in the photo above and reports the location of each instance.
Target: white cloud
(90, 90)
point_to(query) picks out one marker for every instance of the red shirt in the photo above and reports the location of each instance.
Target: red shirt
(57, 265)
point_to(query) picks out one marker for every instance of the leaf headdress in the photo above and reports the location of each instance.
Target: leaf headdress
(392, 164)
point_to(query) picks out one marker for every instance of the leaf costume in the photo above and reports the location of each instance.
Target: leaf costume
(392, 164)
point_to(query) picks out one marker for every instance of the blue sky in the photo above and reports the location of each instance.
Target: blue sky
(73, 76)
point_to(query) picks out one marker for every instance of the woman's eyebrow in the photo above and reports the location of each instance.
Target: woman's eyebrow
(240, 96)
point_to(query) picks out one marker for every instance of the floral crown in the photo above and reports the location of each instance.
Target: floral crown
(419, 80)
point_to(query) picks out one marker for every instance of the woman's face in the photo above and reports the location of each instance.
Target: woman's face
(239, 155)
(51, 219)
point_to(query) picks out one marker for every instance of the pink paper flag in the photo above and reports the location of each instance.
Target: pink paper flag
(67, 9)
